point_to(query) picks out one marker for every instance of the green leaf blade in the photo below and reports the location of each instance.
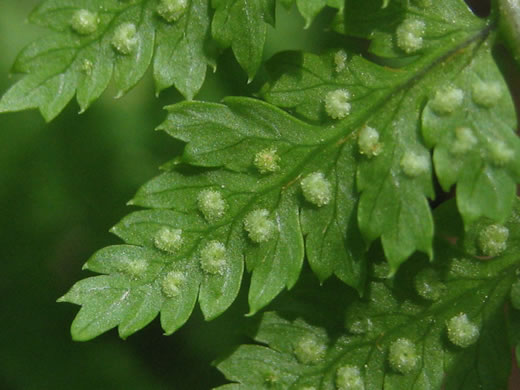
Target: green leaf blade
(67, 63)
(218, 292)
(143, 307)
(333, 241)
(475, 144)
(309, 9)
(263, 366)
(276, 264)
(180, 57)
(176, 311)
(49, 93)
(300, 81)
(130, 68)
(57, 14)
(364, 331)
(98, 67)
(105, 303)
(379, 24)
(244, 128)
(243, 26)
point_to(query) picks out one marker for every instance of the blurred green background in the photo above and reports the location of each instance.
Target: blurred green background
(63, 185)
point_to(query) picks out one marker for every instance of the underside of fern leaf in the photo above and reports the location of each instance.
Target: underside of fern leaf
(96, 41)
(436, 325)
(339, 155)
